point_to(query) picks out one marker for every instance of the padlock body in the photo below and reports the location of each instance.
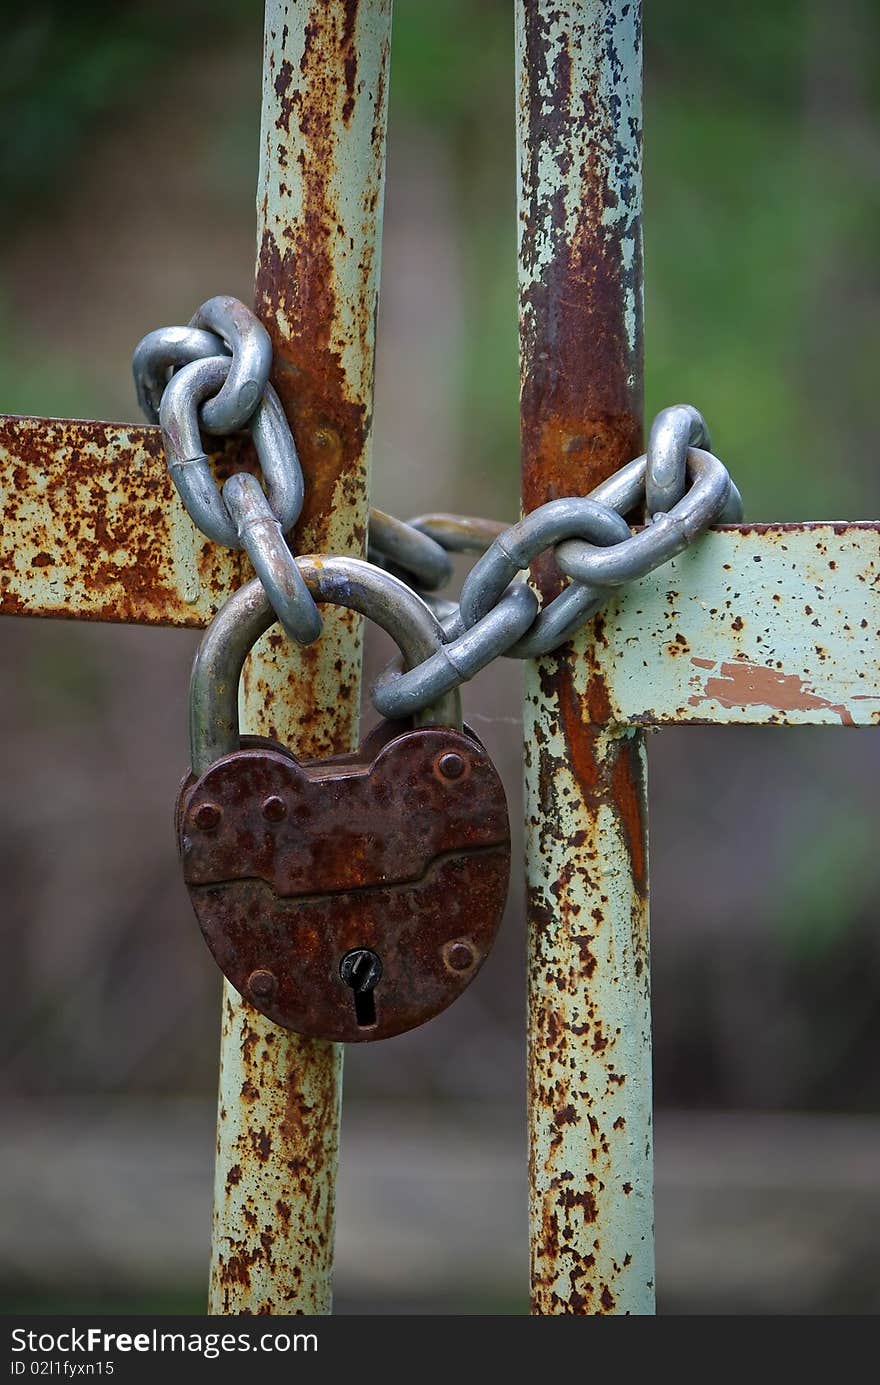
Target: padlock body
(402, 849)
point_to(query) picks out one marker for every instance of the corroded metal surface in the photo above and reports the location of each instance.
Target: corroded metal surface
(775, 624)
(403, 850)
(579, 70)
(580, 246)
(589, 1034)
(319, 207)
(324, 103)
(92, 527)
(274, 1185)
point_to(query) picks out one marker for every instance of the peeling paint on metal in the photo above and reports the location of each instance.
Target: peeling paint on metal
(319, 206)
(580, 242)
(591, 1209)
(276, 1153)
(760, 624)
(589, 1040)
(322, 152)
(93, 529)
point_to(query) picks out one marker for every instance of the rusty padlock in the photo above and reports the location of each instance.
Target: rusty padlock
(354, 898)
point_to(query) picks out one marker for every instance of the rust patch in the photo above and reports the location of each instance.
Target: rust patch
(93, 530)
(616, 777)
(628, 796)
(373, 851)
(742, 684)
(349, 59)
(297, 290)
(329, 426)
(581, 401)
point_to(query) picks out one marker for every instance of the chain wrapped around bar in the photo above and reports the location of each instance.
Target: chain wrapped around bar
(213, 376)
(223, 358)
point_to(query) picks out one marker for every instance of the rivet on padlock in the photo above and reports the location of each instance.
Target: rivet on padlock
(354, 898)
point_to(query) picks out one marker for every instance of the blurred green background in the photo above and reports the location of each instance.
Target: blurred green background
(128, 165)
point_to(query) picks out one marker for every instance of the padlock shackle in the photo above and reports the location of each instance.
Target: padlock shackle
(340, 581)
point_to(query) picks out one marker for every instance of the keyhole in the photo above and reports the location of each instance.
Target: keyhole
(361, 969)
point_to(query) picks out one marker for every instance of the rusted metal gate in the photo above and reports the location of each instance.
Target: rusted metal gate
(756, 624)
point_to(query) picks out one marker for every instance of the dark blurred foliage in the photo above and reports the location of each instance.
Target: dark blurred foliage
(66, 67)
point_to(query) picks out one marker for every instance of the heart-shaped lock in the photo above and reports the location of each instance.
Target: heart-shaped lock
(348, 899)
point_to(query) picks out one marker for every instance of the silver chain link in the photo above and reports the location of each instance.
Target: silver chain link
(213, 376)
(242, 514)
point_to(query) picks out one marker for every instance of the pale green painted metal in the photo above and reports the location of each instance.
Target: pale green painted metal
(596, 46)
(591, 1136)
(769, 625)
(590, 1157)
(325, 82)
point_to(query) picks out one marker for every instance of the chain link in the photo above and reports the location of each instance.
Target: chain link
(251, 347)
(160, 353)
(214, 376)
(466, 651)
(673, 431)
(189, 465)
(392, 543)
(242, 515)
(662, 539)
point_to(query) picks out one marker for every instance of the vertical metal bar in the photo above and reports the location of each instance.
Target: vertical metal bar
(579, 188)
(320, 209)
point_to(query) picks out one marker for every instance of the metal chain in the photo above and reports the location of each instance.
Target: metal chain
(229, 365)
(214, 376)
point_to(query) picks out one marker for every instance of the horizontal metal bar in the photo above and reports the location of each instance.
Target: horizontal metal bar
(755, 624)
(759, 624)
(92, 527)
